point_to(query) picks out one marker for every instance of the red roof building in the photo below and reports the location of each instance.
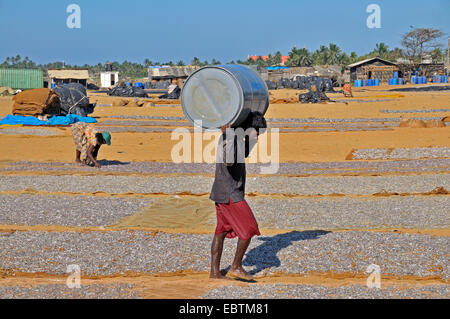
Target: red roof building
(284, 58)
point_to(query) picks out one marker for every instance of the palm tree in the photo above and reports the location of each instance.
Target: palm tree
(299, 57)
(344, 59)
(353, 57)
(147, 62)
(196, 62)
(334, 54)
(381, 50)
(321, 56)
(277, 58)
(260, 61)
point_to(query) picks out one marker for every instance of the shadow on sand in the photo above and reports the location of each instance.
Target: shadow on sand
(265, 255)
(112, 163)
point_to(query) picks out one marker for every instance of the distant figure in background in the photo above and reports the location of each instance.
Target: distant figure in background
(88, 142)
(347, 90)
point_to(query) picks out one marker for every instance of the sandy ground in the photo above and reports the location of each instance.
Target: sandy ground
(294, 147)
(311, 147)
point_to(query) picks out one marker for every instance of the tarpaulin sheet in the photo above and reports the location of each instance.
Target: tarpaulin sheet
(74, 99)
(54, 120)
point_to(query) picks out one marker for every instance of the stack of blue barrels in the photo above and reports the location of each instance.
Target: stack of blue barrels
(440, 78)
(370, 82)
(419, 79)
(395, 79)
(139, 84)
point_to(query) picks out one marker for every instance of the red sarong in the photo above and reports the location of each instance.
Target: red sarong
(236, 219)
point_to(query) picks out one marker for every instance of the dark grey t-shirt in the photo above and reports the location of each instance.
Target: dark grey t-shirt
(230, 173)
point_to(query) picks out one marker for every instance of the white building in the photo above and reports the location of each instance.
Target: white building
(108, 79)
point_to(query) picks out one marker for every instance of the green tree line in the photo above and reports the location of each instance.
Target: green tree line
(416, 43)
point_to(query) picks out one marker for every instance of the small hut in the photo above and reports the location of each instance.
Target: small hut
(173, 74)
(61, 76)
(373, 68)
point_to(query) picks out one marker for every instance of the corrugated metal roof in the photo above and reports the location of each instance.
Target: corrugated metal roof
(68, 74)
(368, 60)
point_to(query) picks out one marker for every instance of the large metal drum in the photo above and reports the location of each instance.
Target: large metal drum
(218, 95)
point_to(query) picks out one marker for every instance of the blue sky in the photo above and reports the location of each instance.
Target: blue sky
(226, 30)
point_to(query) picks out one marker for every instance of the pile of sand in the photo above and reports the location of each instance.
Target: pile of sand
(421, 123)
(283, 101)
(435, 123)
(5, 91)
(129, 103)
(36, 102)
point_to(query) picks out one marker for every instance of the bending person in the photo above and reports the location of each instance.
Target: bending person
(88, 142)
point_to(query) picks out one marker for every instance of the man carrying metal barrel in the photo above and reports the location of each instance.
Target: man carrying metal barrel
(234, 216)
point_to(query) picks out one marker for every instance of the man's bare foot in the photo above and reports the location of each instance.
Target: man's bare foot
(218, 276)
(240, 273)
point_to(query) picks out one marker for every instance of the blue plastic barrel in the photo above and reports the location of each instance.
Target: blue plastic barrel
(356, 83)
(424, 79)
(364, 83)
(390, 81)
(359, 83)
(445, 79)
(395, 75)
(139, 84)
(377, 82)
(52, 86)
(394, 81)
(400, 81)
